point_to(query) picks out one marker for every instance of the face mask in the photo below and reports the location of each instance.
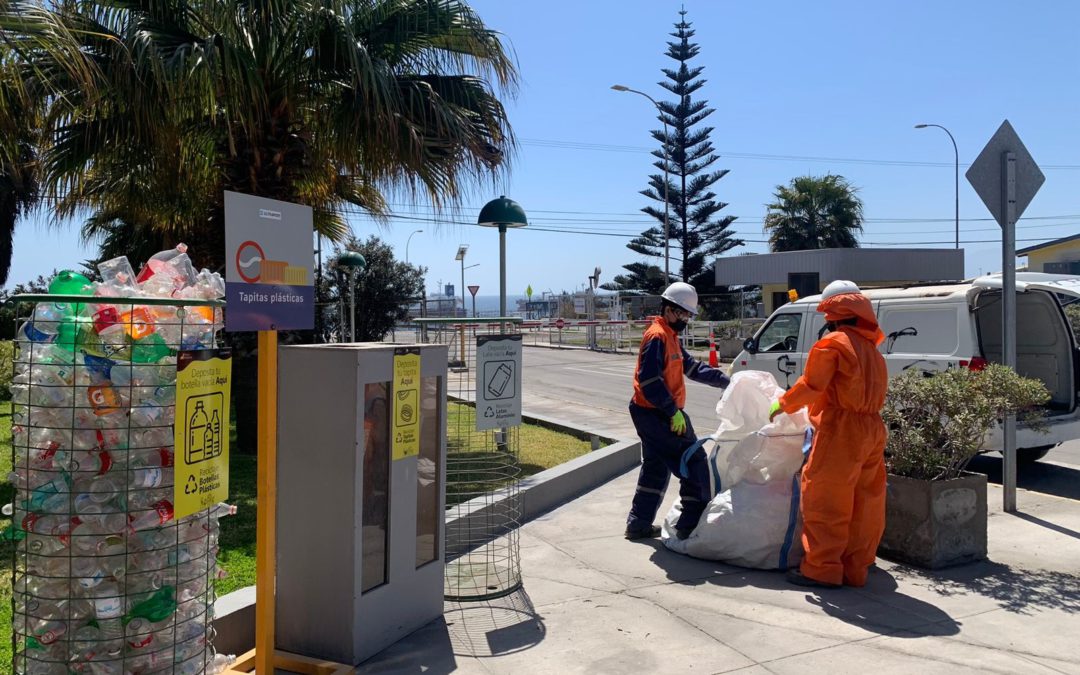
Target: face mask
(678, 325)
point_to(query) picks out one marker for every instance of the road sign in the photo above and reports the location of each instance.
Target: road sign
(1006, 178)
(201, 432)
(559, 323)
(498, 382)
(268, 264)
(985, 173)
(473, 290)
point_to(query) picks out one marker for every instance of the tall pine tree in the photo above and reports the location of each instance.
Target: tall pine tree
(696, 229)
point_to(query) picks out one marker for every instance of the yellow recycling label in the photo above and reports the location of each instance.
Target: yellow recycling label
(202, 430)
(406, 429)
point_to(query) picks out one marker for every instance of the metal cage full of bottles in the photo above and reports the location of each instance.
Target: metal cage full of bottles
(104, 578)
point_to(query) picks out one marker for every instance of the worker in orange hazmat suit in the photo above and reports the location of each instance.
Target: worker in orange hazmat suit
(843, 482)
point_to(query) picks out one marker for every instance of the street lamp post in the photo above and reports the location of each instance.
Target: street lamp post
(409, 241)
(667, 257)
(461, 257)
(502, 213)
(355, 262)
(956, 156)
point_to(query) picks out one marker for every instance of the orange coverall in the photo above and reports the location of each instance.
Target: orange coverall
(843, 482)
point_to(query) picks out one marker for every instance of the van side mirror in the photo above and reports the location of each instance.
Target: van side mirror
(750, 345)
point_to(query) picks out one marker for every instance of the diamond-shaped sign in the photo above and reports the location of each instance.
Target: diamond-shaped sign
(986, 173)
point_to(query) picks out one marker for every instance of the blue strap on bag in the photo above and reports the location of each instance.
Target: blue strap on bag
(793, 513)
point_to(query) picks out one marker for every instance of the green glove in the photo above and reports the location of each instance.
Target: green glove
(774, 410)
(678, 423)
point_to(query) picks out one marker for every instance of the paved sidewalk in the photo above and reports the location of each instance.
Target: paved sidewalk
(595, 603)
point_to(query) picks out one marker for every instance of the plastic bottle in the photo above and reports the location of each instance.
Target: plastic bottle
(158, 607)
(70, 283)
(117, 272)
(150, 468)
(166, 279)
(87, 572)
(161, 513)
(150, 349)
(108, 608)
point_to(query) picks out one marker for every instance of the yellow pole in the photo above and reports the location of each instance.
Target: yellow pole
(461, 339)
(266, 531)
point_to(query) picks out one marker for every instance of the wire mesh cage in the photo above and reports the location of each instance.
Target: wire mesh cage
(482, 471)
(105, 579)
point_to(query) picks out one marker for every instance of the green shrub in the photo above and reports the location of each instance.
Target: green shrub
(7, 351)
(938, 423)
(1073, 313)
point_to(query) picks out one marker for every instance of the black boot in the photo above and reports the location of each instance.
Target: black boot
(638, 532)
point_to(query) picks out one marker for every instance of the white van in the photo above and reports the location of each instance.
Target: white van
(950, 326)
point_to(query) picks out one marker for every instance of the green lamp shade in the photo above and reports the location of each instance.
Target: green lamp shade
(352, 259)
(504, 212)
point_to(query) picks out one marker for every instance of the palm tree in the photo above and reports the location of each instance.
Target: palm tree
(18, 157)
(814, 212)
(155, 108)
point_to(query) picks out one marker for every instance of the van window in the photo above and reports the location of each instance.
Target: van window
(922, 330)
(781, 334)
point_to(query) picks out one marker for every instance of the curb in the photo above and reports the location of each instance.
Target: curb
(234, 613)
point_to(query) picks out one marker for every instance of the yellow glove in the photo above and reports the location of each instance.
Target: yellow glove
(774, 410)
(678, 423)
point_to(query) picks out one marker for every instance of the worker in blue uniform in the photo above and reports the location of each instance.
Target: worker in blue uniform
(657, 412)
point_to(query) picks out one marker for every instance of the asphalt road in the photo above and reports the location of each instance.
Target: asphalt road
(580, 384)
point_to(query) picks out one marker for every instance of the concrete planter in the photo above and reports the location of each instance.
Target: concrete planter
(935, 523)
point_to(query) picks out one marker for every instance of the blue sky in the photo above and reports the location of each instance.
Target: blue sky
(793, 83)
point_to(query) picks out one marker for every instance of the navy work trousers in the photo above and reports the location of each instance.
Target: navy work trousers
(661, 453)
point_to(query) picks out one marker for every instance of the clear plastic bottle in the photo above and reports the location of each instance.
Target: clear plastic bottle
(161, 513)
(108, 608)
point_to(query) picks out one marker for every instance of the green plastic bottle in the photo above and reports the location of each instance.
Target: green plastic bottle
(157, 607)
(70, 283)
(150, 349)
(77, 333)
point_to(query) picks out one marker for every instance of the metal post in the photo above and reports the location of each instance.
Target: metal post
(474, 305)
(352, 304)
(1008, 321)
(462, 287)
(266, 514)
(667, 240)
(502, 275)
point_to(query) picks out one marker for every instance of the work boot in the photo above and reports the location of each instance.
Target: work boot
(639, 532)
(799, 579)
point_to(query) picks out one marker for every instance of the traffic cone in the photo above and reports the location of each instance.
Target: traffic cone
(714, 361)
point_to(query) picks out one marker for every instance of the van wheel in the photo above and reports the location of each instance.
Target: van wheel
(1032, 455)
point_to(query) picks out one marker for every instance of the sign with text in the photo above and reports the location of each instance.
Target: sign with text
(406, 428)
(201, 430)
(498, 382)
(268, 264)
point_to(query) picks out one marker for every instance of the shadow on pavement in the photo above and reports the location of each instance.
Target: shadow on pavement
(467, 629)
(879, 607)
(1042, 477)
(494, 627)
(1016, 590)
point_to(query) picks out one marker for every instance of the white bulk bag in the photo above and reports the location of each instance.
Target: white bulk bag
(753, 519)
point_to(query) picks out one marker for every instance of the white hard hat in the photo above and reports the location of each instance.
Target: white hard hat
(682, 294)
(839, 287)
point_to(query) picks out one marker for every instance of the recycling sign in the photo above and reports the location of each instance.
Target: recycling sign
(498, 382)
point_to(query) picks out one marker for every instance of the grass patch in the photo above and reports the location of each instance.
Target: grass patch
(541, 449)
